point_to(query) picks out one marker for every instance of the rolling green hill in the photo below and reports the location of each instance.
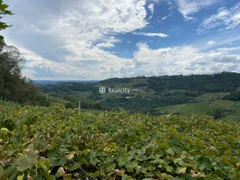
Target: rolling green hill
(187, 95)
(231, 109)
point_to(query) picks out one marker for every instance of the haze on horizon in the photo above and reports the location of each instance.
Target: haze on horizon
(100, 39)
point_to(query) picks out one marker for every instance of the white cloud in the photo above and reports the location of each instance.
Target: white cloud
(189, 7)
(162, 35)
(66, 40)
(151, 7)
(180, 60)
(210, 43)
(105, 45)
(146, 61)
(48, 69)
(229, 50)
(37, 67)
(223, 19)
(166, 17)
(222, 39)
(60, 35)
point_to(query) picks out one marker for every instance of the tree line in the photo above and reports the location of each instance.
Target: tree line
(13, 86)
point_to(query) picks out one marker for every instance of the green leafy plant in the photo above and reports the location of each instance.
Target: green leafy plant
(3, 11)
(58, 143)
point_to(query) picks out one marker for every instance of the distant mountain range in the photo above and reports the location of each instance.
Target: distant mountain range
(46, 82)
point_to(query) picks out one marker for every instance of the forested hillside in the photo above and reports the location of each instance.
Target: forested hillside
(220, 82)
(157, 95)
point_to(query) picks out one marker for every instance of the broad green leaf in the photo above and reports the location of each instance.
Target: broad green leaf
(20, 177)
(166, 176)
(60, 172)
(170, 151)
(181, 170)
(23, 164)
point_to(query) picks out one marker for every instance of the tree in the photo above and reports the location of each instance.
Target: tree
(218, 113)
(11, 63)
(13, 86)
(3, 11)
(234, 96)
(70, 105)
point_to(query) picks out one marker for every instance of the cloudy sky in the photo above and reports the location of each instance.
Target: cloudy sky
(99, 39)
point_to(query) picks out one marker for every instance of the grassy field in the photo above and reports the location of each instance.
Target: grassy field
(57, 100)
(83, 94)
(210, 97)
(209, 103)
(188, 109)
(236, 115)
(224, 104)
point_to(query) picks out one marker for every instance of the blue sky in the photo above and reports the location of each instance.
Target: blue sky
(99, 39)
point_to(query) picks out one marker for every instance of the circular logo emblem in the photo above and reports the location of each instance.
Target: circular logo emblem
(102, 90)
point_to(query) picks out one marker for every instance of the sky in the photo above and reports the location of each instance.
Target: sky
(100, 39)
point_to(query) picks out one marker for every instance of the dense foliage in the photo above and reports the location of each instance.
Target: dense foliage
(154, 92)
(234, 96)
(13, 86)
(3, 11)
(58, 143)
(86, 104)
(220, 82)
(147, 104)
